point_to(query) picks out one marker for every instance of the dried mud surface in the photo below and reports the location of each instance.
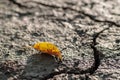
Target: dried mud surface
(69, 24)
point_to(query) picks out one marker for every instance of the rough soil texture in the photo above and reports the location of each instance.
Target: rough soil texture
(69, 24)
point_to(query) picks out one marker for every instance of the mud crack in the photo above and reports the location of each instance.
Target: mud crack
(18, 4)
(88, 71)
(92, 17)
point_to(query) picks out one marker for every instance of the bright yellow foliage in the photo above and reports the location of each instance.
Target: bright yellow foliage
(48, 48)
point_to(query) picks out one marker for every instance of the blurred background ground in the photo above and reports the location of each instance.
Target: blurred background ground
(68, 24)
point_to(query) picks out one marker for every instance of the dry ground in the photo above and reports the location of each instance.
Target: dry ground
(71, 25)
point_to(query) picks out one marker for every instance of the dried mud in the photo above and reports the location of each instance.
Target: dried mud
(69, 24)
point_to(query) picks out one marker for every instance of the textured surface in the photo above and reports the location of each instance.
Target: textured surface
(70, 24)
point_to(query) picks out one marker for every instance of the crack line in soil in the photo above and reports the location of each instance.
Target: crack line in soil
(18, 4)
(96, 52)
(95, 36)
(92, 17)
(91, 70)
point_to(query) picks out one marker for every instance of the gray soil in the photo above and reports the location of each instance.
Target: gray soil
(70, 25)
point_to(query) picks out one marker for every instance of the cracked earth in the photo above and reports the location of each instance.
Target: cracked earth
(72, 25)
